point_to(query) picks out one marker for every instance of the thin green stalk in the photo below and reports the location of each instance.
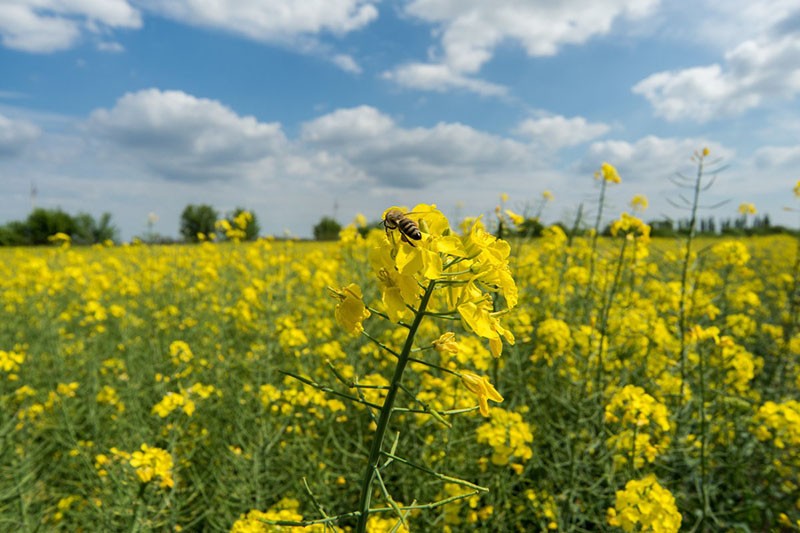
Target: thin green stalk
(386, 413)
(682, 313)
(703, 438)
(595, 236)
(606, 312)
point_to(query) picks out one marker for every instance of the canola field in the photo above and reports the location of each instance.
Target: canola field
(552, 384)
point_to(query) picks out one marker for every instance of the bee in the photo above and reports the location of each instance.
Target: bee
(395, 219)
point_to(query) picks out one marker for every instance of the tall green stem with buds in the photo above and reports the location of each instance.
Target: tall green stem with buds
(386, 412)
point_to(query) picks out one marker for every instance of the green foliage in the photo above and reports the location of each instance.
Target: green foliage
(196, 219)
(43, 223)
(327, 229)
(90, 231)
(531, 227)
(252, 229)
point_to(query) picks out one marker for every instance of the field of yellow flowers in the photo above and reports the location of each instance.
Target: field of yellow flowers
(455, 383)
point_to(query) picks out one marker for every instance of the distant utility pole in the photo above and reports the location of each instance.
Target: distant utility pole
(335, 208)
(34, 192)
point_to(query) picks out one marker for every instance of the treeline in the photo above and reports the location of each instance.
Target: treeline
(198, 222)
(743, 225)
(201, 222)
(41, 224)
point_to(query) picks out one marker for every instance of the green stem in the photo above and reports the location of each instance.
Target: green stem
(682, 311)
(386, 413)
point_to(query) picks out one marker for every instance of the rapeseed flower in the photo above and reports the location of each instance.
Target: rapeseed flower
(153, 463)
(480, 387)
(608, 173)
(644, 505)
(350, 311)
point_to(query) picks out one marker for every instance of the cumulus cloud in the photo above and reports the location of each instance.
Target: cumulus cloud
(270, 20)
(42, 26)
(471, 31)
(410, 157)
(15, 135)
(346, 63)
(558, 131)
(650, 158)
(753, 73)
(183, 137)
(440, 78)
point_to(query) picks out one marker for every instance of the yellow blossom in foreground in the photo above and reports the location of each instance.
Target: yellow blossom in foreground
(797, 188)
(446, 344)
(608, 173)
(645, 505)
(480, 387)
(152, 462)
(350, 311)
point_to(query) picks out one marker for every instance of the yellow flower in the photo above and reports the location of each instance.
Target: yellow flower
(639, 202)
(797, 188)
(747, 209)
(515, 218)
(446, 344)
(608, 173)
(480, 387)
(645, 505)
(152, 462)
(350, 311)
(547, 196)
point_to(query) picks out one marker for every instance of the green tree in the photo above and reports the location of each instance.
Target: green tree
(327, 229)
(15, 233)
(252, 229)
(197, 219)
(91, 231)
(42, 223)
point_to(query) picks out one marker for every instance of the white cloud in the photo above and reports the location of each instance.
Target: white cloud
(786, 158)
(471, 30)
(558, 131)
(410, 157)
(187, 138)
(755, 72)
(109, 46)
(650, 158)
(15, 135)
(346, 63)
(440, 78)
(43, 26)
(270, 20)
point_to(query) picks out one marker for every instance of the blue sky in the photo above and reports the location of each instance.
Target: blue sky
(296, 110)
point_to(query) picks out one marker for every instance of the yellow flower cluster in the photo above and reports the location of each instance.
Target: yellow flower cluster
(608, 173)
(780, 423)
(509, 436)
(185, 400)
(645, 505)
(630, 226)
(553, 340)
(472, 266)
(543, 508)
(639, 425)
(152, 463)
(10, 363)
(257, 521)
